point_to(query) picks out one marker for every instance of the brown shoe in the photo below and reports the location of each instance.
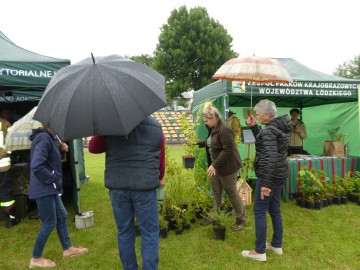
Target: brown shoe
(74, 251)
(41, 263)
(239, 225)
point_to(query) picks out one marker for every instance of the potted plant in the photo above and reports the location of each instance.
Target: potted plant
(355, 193)
(227, 206)
(338, 193)
(177, 189)
(218, 218)
(201, 202)
(310, 201)
(169, 212)
(343, 187)
(187, 219)
(172, 220)
(180, 217)
(163, 227)
(311, 187)
(190, 140)
(335, 136)
(329, 193)
(334, 146)
(247, 168)
(323, 191)
(305, 192)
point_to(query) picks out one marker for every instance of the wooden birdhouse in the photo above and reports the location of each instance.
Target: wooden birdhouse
(244, 191)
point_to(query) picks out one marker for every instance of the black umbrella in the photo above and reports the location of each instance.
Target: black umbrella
(109, 96)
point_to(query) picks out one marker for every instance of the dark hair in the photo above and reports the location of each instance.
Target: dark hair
(294, 110)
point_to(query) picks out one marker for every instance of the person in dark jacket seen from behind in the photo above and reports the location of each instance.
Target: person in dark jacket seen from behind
(224, 163)
(271, 168)
(46, 188)
(134, 169)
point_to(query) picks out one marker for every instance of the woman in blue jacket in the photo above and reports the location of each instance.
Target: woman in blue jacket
(46, 188)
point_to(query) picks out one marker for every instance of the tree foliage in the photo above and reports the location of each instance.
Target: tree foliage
(144, 59)
(349, 69)
(191, 47)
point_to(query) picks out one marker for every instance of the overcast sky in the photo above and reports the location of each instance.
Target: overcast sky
(319, 34)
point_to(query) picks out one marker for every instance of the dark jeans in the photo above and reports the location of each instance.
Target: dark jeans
(269, 204)
(53, 214)
(142, 204)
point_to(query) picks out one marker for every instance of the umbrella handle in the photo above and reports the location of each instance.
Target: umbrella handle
(58, 139)
(250, 111)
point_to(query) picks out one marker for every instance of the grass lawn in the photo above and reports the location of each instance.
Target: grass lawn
(325, 239)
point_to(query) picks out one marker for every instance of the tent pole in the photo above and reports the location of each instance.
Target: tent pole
(358, 88)
(226, 108)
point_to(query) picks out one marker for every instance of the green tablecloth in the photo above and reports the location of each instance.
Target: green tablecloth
(331, 167)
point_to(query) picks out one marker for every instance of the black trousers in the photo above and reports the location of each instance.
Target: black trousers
(6, 187)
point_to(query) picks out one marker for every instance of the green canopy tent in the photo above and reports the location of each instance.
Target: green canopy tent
(24, 76)
(326, 101)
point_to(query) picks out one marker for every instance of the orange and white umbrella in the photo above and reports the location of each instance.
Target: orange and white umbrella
(253, 69)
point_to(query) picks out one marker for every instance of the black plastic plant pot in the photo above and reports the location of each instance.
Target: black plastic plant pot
(219, 233)
(189, 162)
(163, 232)
(198, 213)
(193, 220)
(186, 226)
(172, 224)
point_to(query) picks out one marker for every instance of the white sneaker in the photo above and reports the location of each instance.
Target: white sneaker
(275, 249)
(256, 257)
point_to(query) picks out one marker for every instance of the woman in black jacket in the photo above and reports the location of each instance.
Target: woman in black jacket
(271, 170)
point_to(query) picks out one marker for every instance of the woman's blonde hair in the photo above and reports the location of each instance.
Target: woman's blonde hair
(210, 111)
